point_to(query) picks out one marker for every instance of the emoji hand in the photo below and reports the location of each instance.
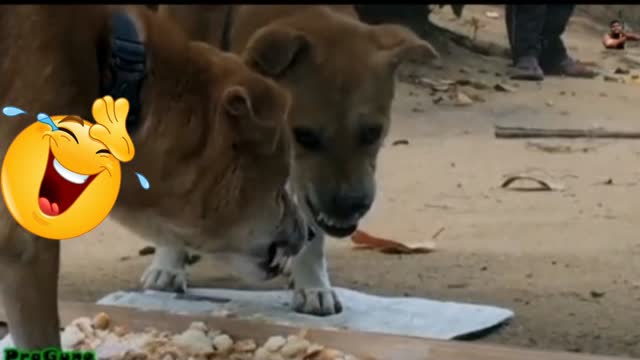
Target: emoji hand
(111, 129)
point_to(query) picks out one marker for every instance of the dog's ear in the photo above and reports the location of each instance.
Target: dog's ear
(236, 103)
(398, 44)
(274, 49)
(256, 123)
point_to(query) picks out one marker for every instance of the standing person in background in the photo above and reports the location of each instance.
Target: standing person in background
(536, 45)
(616, 37)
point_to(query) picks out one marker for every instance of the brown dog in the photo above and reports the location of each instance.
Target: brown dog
(340, 73)
(209, 133)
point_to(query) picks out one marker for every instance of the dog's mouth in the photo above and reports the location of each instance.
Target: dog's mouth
(60, 187)
(276, 261)
(334, 227)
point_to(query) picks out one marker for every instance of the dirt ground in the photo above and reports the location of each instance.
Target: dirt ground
(567, 262)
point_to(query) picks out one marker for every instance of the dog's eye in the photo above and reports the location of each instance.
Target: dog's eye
(370, 135)
(308, 139)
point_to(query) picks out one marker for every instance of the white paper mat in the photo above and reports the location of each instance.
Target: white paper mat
(364, 312)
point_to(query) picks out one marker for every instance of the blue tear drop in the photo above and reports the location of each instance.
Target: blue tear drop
(143, 181)
(45, 119)
(12, 111)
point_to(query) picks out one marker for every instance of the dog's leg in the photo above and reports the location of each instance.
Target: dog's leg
(29, 268)
(312, 289)
(167, 270)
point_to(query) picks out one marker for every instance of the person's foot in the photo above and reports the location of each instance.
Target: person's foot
(570, 67)
(526, 68)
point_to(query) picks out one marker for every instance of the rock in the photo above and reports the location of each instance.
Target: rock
(480, 85)
(597, 294)
(603, 94)
(440, 87)
(477, 98)
(426, 82)
(475, 95)
(622, 71)
(465, 70)
(462, 99)
(549, 103)
(294, 347)
(245, 345)
(635, 77)
(262, 354)
(463, 82)
(101, 321)
(500, 87)
(275, 343)
(455, 98)
(71, 336)
(194, 340)
(223, 343)
(609, 78)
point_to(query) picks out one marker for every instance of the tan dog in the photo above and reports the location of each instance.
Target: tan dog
(340, 73)
(210, 137)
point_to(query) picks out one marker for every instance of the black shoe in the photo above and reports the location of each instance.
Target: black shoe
(527, 68)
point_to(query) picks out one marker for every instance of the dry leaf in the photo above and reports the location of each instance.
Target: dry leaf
(541, 184)
(492, 14)
(363, 240)
(622, 71)
(400, 142)
(147, 250)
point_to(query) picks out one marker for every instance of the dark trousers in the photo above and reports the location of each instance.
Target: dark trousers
(536, 30)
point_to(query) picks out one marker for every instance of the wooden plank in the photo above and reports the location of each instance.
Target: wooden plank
(508, 132)
(364, 345)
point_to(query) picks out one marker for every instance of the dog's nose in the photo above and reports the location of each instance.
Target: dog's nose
(346, 206)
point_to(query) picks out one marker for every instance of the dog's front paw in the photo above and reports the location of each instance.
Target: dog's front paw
(164, 279)
(316, 301)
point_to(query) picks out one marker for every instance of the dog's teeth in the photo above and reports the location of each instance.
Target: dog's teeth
(287, 265)
(276, 258)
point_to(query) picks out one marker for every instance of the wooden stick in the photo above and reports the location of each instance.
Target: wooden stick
(482, 47)
(508, 132)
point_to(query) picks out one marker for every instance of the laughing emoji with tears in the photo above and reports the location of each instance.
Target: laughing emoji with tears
(61, 175)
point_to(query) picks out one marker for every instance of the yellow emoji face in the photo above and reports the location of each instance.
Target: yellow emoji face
(61, 175)
(61, 183)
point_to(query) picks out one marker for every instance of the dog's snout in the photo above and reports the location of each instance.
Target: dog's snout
(349, 205)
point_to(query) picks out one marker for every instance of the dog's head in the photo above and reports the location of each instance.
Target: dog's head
(212, 141)
(340, 73)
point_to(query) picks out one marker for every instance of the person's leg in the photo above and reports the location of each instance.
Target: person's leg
(525, 24)
(554, 58)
